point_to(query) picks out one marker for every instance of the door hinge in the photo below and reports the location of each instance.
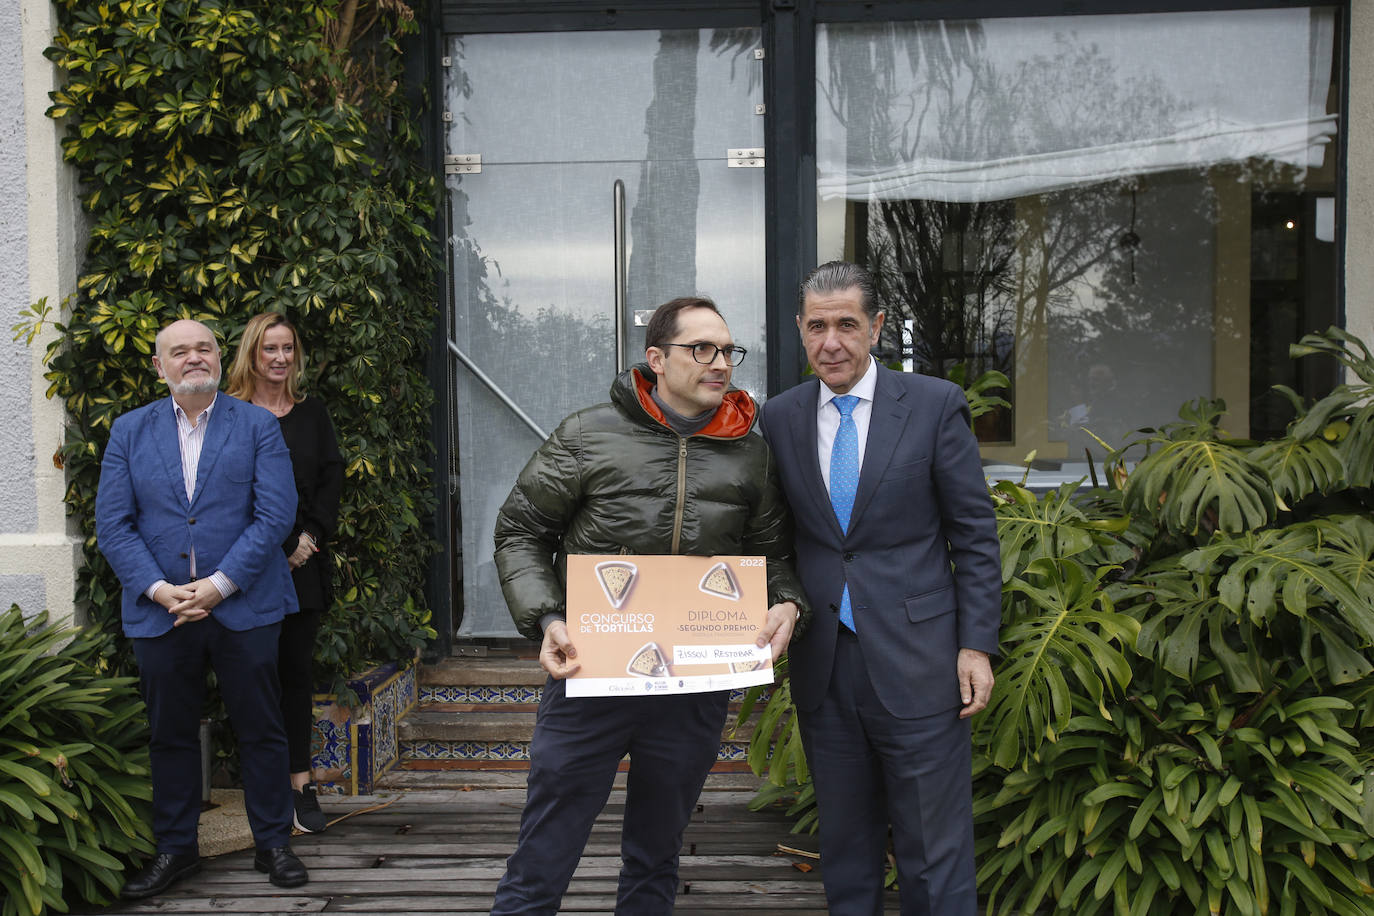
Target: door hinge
(750, 158)
(758, 54)
(463, 164)
(446, 61)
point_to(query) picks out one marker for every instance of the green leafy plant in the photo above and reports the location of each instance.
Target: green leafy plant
(1180, 718)
(238, 156)
(74, 779)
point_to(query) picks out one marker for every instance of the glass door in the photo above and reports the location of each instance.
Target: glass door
(591, 176)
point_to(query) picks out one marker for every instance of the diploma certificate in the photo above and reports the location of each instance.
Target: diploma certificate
(647, 625)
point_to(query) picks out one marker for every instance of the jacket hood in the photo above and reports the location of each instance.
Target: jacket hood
(631, 393)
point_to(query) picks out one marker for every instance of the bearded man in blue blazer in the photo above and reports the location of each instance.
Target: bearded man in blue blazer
(898, 553)
(196, 495)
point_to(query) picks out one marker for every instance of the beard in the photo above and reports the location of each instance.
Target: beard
(199, 386)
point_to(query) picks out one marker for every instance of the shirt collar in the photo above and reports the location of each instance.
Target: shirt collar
(181, 414)
(864, 388)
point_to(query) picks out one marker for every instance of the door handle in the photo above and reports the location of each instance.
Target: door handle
(621, 293)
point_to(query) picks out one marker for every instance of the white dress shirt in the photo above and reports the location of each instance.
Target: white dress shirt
(828, 418)
(191, 439)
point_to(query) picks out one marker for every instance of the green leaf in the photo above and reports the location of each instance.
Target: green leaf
(1300, 468)
(1068, 630)
(1196, 485)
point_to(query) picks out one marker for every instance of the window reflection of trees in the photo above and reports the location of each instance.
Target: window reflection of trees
(978, 279)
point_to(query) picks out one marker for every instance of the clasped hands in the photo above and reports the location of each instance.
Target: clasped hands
(190, 602)
(305, 549)
(558, 655)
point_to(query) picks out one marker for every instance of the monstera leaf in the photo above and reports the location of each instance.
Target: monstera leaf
(1345, 418)
(979, 400)
(1068, 640)
(1357, 447)
(1346, 415)
(1341, 345)
(1197, 485)
(1346, 543)
(1179, 609)
(1316, 572)
(1299, 468)
(1051, 526)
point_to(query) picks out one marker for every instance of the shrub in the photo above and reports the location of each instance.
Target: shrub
(1181, 717)
(74, 787)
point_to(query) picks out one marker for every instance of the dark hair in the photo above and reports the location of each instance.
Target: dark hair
(662, 326)
(836, 277)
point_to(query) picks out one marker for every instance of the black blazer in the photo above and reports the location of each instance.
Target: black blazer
(319, 472)
(921, 556)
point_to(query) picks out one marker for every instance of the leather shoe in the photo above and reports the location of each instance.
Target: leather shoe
(281, 865)
(166, 869)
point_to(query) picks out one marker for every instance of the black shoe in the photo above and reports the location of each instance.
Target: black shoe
(307, 816)
(281, 865)
(165, 870)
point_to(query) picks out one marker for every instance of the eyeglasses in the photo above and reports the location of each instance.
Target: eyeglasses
(705, 353)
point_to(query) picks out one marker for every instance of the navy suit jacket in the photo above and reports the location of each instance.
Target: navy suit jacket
(921, 555)
(243, 506)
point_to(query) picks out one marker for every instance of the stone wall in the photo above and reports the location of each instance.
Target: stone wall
(40, 243)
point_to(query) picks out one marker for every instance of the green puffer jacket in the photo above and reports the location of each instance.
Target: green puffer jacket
(615, 479)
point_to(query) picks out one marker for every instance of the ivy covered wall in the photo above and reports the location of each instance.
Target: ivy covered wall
(238, 156)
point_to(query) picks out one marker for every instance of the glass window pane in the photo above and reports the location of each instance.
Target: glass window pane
(558, 120)
(1121, 213)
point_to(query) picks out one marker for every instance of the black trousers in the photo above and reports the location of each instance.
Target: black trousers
(673, 741)
(295, 654)
(172, 672)
(871, 769)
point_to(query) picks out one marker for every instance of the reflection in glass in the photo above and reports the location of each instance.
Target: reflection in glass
(557, 119)
(1088, 205)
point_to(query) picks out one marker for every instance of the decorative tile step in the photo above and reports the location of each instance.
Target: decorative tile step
(425, 752)
(453, 708)
(724, 776)
(511, 766)
(457, 694)
(488, 680)
(496, 694)
(489, 724)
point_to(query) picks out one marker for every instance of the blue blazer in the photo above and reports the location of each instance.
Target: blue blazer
(244, 505)
(921, 556)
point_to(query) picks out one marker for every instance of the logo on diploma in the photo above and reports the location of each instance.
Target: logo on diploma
(617, 578)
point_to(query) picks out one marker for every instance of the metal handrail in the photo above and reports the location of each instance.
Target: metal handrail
(621, 292)
(496, 389)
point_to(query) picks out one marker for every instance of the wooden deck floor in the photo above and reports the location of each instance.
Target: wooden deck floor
(444, 851)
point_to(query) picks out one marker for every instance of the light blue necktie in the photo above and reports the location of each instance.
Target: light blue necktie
(844, 479)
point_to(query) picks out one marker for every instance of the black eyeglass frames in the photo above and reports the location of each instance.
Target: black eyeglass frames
(705, 353)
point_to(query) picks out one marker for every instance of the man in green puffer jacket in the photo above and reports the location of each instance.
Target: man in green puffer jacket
(671, 466)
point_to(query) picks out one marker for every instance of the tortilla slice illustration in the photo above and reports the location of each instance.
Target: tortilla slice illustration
(719, 581)
(752, 664)
(617, 578)
(648, 662)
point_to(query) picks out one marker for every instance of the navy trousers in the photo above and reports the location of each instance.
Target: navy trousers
(870, 769)
(673, 742)
(172, 671)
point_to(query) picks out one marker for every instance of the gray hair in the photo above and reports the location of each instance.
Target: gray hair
(836, 277)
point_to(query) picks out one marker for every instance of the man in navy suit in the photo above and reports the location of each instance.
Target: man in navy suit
(196, 495)
(897, 550)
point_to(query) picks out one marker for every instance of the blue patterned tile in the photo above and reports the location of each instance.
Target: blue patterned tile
(452, 693)
(467, 750)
